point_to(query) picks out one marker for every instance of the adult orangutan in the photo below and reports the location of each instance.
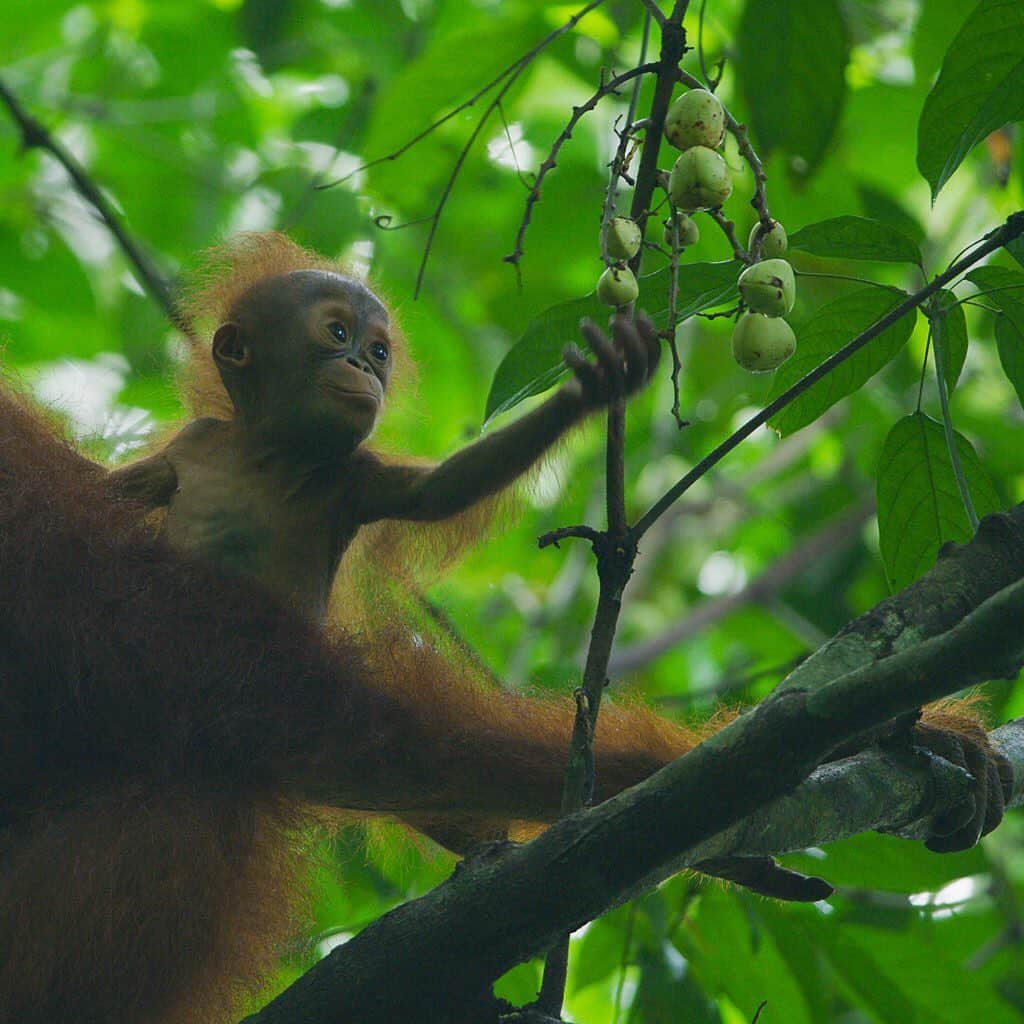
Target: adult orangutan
(174, 708)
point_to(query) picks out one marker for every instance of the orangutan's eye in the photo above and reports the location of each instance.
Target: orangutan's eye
(379, 351)
(338, 331)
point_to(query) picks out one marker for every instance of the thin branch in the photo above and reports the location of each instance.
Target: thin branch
(565, 532)
(515, 67)
(729, 230)
(510, 77)
(614, 557)
(831, 538)
(673, 299)
(551, 161)
(1013, 228)
(655, 12)
(35, 136)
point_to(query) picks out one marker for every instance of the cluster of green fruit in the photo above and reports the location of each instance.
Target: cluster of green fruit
(701, 180)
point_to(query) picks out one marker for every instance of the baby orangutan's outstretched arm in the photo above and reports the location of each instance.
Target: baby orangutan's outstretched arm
(621, 367)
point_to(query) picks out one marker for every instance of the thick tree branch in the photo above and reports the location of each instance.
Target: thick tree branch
(436, 957)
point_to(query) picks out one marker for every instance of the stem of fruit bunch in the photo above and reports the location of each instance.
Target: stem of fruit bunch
(615, 555)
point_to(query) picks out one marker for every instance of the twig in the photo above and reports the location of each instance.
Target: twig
(35, 136)
(565, 532)
(833, 537)
(673, 298)
(516, 66)
(1013, 228)
(615, 556)
(729, 230)
(550, 162)
(510, 75)
(655, 12)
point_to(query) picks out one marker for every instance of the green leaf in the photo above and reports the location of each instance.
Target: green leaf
(598, 955)
(1004, 289)
(864, 975)
(663, 994)
(1016, 249)
(700, 286)
(519, 985)
(731, 953)
(919, 504)
(980, 88)
(879, 205)
(534, 363)
(831, 327)
(1010, 343)
(949, 330)
(937, 23)
(939, 990)
(435, 81)
(791, 65)
(874, 861)
(856, 238)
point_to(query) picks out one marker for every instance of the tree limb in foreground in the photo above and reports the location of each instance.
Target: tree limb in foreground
(434, 959)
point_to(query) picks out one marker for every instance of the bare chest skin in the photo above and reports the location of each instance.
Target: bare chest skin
(260, 516)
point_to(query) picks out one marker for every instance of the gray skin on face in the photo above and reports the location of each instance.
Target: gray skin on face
(310, 356)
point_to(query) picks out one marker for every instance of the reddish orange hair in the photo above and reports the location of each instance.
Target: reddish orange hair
(223, 275)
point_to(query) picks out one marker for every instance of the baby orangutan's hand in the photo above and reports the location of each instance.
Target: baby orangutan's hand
(624, 364)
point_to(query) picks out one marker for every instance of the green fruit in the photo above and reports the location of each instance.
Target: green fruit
(768, 287)
(700, 180)
(697, 118)
(761, 343)
(773, 244)
(622, 238)
(686, 229)
(617, 286)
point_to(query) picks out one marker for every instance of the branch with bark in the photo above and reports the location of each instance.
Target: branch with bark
(754, 787)
(35, 136)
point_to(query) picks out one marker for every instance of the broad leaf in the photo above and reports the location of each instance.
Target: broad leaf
(795, 87)
(937, 23)
(876, 861)
(700, 286)
(949, 332)
(731, 954)
(980, 88)
(919, 503)
(907, 978)
(879, 205)
(856, 238)
(534, 363)
(1010, 342)
(1004, 289)
(827, 331)
(1016, 249)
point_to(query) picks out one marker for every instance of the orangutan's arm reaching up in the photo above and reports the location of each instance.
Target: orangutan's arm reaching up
(621, 368)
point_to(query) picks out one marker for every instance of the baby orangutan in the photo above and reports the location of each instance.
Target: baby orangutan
(174, 708)
(279, 491)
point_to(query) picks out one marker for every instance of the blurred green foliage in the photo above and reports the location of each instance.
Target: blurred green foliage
(203, 117)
